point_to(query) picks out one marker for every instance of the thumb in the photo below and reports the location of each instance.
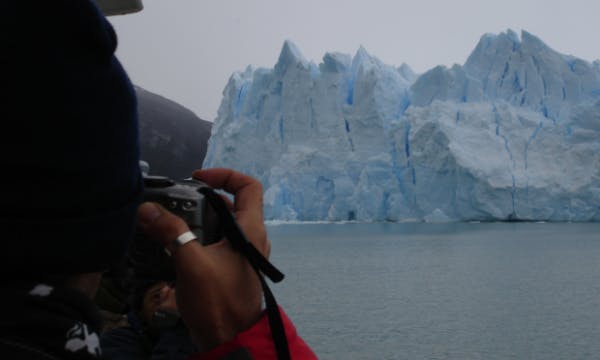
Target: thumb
(161, 225)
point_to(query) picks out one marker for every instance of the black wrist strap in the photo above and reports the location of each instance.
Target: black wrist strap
(259, 263)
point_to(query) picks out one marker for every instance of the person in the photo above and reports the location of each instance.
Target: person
(154, 329)
(71, 193)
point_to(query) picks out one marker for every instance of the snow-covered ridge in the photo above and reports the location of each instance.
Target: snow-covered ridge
(514, 133)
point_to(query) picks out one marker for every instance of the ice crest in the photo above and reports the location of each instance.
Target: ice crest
(290, 56)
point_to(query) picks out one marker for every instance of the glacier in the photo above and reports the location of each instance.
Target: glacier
(512, 134)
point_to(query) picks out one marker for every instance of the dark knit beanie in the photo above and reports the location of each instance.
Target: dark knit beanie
(70, 182)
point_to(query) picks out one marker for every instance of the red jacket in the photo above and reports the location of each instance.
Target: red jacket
(258, 343)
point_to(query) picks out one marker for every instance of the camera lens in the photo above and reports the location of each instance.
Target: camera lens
(172, 204)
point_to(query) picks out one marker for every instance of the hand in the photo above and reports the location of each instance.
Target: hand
(218, 293)
(159, 297)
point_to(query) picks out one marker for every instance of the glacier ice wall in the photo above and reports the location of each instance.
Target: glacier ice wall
(513, 134)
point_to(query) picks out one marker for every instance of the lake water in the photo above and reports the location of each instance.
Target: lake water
(442, 291)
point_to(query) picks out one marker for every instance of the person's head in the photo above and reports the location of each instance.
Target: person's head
(69, 149)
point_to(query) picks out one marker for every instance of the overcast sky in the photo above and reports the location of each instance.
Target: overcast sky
(186, 50)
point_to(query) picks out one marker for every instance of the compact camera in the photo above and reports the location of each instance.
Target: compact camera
(147, 256)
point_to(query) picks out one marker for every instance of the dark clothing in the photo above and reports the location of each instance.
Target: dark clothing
(136, 342)
(51, 323)
(40, 321)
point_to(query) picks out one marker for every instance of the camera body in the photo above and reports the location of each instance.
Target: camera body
(179, 197)
(147, 256)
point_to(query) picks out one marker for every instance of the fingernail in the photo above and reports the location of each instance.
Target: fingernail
(148, 213)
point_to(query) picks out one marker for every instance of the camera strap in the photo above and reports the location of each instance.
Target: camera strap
(260, 264)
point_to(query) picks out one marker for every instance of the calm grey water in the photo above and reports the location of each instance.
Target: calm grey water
(442, 291)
